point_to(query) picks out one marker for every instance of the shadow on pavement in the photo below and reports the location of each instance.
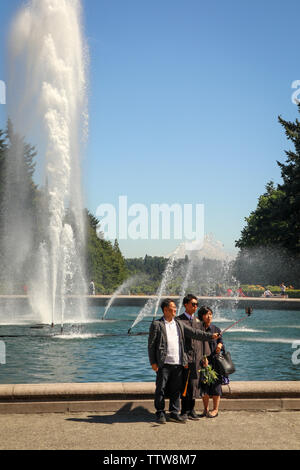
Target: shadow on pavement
(124, 415)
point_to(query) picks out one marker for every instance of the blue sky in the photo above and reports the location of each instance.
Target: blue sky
(184, 98)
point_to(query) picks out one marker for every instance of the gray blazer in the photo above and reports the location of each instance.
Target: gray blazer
(158, 343)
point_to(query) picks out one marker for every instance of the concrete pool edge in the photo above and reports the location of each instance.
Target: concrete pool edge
(139, 396)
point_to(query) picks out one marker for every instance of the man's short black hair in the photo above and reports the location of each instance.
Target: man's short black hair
(188, 298)
(166, 303)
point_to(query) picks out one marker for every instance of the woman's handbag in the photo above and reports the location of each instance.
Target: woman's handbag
(224, 364)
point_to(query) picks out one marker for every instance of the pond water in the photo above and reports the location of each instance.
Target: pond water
(263, 347)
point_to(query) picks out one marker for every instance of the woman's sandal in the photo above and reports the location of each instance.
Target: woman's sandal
(209, 415)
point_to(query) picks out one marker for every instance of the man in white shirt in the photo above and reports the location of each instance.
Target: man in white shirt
(166, 348)
(268, 293)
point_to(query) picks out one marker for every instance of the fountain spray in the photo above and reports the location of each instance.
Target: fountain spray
(48, 103)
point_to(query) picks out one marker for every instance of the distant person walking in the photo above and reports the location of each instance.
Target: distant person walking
(283, 290)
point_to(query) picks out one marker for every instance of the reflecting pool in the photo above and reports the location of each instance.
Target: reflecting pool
(263, 347)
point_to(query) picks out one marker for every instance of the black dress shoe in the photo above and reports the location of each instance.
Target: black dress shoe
(177, 418)
(193, 415)
(161, 418)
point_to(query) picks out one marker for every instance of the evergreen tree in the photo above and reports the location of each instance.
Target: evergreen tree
(118, 265)
(290, 172)
(265, 226)
(276, 220)
(19, 206)
(105, 263)
(272, 233)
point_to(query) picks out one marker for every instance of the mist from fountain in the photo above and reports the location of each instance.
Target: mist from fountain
(192, 274)
(167, 276)
(185, 284)
(47, 101)
(154, 303)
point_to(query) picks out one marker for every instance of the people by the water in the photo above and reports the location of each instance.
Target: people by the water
(167, 356)
(216, 345)
(267, 293)
(283, 290)
(240, 292)
(195, 352)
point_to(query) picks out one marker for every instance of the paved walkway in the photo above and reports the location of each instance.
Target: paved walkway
(123, 430)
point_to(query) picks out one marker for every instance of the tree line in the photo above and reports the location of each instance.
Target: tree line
(269, 245)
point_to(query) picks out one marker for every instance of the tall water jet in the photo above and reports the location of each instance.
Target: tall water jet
(153, 303)
(167, 275)
(47, 102)
(185, 283)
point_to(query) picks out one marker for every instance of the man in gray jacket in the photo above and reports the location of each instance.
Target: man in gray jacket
(166, 349)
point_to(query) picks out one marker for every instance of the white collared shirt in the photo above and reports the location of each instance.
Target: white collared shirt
(173, 353)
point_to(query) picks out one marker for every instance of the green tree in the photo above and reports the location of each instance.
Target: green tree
(290, 172)
(271, 236)
(265, 225)
(276, 220)
(118, 264)
(104, 261)
(19, 196)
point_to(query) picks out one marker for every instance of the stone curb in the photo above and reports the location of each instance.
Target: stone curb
(137, 396)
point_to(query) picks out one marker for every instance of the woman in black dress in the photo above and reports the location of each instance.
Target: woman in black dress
(214, 390)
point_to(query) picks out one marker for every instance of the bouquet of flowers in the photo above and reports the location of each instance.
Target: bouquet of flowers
(207, 374)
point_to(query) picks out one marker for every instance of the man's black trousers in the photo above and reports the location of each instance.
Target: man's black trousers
(169, 381)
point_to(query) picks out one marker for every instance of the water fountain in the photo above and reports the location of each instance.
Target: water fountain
(153, 303)
(189, 270)
(195, 273)
(46, 99)
(122, 288)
